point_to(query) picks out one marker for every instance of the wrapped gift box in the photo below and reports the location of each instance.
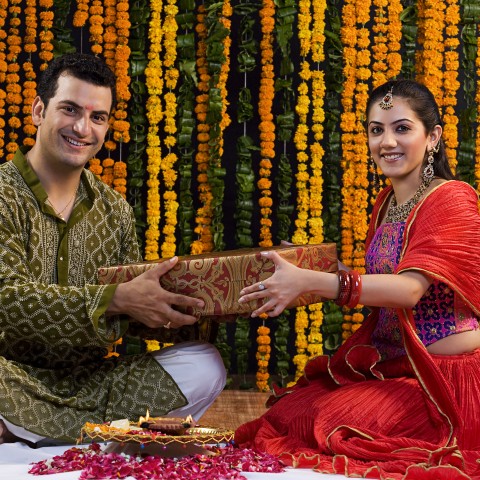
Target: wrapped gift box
(218, 277)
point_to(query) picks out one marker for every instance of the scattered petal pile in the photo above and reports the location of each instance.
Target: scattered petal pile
(227, 463)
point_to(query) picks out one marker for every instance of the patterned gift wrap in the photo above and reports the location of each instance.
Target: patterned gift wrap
(217, 278)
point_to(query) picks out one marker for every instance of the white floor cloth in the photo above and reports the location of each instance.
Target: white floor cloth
(16, 457)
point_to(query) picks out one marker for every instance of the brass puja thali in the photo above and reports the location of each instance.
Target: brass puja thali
(159, 430)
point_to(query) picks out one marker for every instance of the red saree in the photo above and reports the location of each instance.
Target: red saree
(413, 417)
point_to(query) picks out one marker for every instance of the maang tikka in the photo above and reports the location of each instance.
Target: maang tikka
(387, 100)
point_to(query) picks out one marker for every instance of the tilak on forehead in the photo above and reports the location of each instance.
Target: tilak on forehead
(387, 100)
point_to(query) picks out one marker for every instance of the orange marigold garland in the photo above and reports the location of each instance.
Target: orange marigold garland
(46, 34)
(203, 218)
(263, 357)
(450, 81)
(379, 47)
(13, 88)
(432, 24)
(96, 26)
(266, 127)
(394, 34)
(121, 127)
(80, 16)
(3, 72)
(29, 85)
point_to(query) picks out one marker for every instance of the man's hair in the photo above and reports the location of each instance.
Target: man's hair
(83, 66)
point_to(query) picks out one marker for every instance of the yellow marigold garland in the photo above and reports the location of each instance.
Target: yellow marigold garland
(266, 127)
(168, 163)
(315, 222)
(154, 83)
(348, 125)
(477, 102)
(300, 236)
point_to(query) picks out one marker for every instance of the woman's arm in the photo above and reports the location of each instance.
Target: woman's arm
(290, 282)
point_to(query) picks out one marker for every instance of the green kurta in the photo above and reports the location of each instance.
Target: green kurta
(53, 331)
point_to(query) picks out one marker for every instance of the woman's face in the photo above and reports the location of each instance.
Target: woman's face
(398, 141)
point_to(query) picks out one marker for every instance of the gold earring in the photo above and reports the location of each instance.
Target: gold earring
(428, 171)
(375, 181)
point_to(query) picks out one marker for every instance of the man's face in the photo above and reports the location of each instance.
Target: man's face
(72, 129)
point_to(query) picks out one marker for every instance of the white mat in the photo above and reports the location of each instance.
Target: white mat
(16, 457)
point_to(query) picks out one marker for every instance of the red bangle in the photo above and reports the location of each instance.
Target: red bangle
(356, 288)
(345, 288)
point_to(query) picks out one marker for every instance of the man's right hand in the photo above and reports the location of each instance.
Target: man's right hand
(144, 300)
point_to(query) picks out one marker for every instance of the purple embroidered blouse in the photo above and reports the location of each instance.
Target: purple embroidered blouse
(438, 314)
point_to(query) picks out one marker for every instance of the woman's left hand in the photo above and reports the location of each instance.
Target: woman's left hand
(279, 290)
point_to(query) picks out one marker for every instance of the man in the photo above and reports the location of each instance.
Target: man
(58, 225)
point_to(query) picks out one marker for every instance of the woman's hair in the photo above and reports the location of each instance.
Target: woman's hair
(83, 66)
(421, 100)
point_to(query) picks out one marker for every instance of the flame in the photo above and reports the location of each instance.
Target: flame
(144, 419)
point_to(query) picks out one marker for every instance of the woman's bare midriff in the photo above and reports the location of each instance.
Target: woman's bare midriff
(457, 344)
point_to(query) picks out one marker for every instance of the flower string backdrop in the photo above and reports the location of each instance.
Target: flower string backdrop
(241, 124)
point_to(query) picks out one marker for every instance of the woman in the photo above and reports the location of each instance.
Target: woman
(402, 392)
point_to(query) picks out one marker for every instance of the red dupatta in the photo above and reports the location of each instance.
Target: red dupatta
(441, 240)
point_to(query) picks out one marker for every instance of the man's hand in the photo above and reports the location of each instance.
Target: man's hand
(143, 299)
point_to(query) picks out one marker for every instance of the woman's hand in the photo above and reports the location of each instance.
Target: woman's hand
(279, 291)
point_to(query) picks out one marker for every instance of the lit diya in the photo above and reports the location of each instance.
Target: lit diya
(167, 425)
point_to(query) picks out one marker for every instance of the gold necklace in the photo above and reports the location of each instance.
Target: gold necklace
(59, 213)
(399, 213)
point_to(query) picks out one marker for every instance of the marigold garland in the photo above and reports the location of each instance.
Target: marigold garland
(477, 102)
(263, 357)
(430, 61)
(154, 83)
(121, 126)
(3, 71)
(80, 16)
(348, 126)
(96, 26)
(450, 81)
(266, 127)
(300, 236)
(29, 90)
(315, 222)
(168, 163)
(203, 218)
(13, 88)
(46, 34)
